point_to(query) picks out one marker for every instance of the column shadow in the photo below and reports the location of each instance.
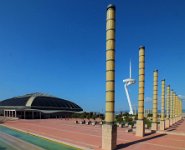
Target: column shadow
(120, 146)
(150, 133)
(175, 126)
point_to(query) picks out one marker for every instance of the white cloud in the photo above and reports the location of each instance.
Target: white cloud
(182, 97)
(148, 99)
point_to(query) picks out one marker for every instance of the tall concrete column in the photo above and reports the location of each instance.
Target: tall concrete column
(140, 128)
(176, 108)
(162, 121)
(177, 111)
(155, 99)
(110, 64)
(167, 121)
(171, 107)
(109, 129)
(180, 109)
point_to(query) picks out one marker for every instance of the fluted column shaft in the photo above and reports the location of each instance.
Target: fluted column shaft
(155, 96)
(141, 83)
(110, 65)
(162, 100)
(168, 102)
(171, 104)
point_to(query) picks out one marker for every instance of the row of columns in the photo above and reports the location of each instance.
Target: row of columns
(10, 113)
(13, 113)
(171, 104)
(173, 108)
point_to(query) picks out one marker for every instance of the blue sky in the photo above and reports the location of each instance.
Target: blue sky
(58, 47)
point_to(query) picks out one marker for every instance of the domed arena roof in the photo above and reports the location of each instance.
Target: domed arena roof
(40, 101)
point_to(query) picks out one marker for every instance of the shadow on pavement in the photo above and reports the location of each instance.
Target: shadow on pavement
(175, 126)
(120, 146)
(152, 132)
(170, 130)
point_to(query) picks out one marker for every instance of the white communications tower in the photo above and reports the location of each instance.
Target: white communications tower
(128, 82)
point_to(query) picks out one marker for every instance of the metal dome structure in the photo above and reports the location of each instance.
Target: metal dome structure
(38, 105)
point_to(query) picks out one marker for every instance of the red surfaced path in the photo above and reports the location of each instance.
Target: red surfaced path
(89, 137)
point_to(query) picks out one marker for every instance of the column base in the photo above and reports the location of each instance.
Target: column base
(109, 137)
(167, 123)
(140, 128)
(171, 121)
(176, 119)
(162, 125)
(179, 119)
(154, 126)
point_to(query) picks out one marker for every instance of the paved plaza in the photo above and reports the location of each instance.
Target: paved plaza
(89, 137)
